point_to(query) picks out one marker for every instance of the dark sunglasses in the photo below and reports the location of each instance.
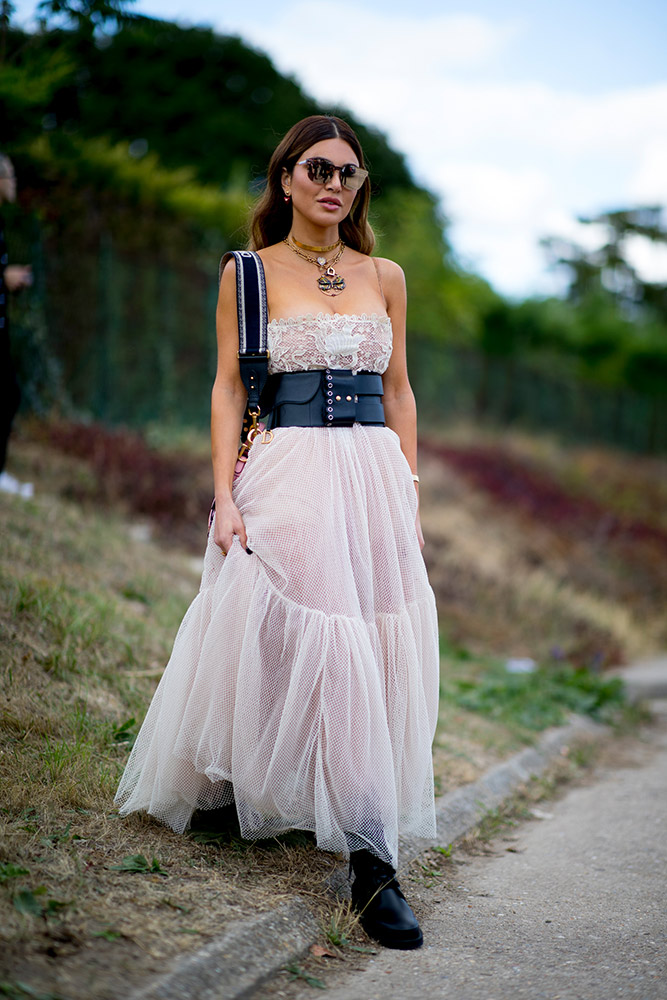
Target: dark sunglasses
(320, 171)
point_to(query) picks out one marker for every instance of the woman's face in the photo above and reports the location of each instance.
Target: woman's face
(321, 204)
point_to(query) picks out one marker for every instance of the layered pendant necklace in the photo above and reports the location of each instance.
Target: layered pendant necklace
(329, 282)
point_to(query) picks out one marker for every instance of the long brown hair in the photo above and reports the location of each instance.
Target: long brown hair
(272, 218)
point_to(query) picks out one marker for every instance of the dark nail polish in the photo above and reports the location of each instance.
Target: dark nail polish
(249, 551)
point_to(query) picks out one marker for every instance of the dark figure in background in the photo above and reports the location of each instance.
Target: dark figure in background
(13, 277)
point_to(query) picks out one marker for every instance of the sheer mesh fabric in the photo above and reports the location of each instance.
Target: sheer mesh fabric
(303, 683)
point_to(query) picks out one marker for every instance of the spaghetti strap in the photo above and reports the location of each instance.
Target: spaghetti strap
(377, 271)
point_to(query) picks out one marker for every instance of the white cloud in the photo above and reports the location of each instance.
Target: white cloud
(498, 217)
(613, 122)
(649, 259)
(487, 194)
(513, 161)
(649, 183)
(332, 49)
(414, 74)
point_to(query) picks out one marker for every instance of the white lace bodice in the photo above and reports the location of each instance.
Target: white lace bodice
(360, 342)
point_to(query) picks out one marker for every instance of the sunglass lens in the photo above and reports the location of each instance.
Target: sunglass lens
(320, 171)
(352, 176)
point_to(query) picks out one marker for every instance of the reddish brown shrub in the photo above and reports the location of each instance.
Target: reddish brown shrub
(535, 493)
(173, 489)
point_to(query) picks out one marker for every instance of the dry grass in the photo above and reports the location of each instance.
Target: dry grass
(521, 585)
(87, 613)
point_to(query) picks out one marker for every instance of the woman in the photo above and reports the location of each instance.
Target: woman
(303, 684)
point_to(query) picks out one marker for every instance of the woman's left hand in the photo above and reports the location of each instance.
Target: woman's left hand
(420, 536)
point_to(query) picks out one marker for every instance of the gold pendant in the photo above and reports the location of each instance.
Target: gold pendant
(331, 283)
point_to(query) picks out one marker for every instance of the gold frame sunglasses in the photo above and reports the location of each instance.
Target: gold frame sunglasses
(320, 171)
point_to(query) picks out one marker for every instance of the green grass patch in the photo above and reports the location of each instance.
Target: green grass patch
(534, 701)
(487, 713)
(139, 864)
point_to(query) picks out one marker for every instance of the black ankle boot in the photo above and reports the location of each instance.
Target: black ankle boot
(384, 912)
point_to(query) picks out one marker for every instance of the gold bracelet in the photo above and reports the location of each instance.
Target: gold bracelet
(415, 478)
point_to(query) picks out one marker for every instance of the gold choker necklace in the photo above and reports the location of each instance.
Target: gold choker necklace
(329, 282)
(304, 246)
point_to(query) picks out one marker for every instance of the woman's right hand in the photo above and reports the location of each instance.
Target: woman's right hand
(18, 276)
(228, 522)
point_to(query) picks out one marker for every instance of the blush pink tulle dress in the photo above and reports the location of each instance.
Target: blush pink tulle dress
(303, 682)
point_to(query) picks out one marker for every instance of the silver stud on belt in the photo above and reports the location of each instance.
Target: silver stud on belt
(330, 394)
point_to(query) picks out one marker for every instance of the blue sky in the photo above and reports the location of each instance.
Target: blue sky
(520, 115)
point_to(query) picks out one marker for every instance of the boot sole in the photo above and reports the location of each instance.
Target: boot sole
(399, 943)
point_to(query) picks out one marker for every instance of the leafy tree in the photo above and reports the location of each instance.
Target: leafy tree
(619, 333)
(139, 149)
(6, 11)
(27, 88)
(85, 16)
(607, 269)
(411, 230)
(189, 95)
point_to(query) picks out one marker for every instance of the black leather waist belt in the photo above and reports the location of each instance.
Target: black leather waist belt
(334, 397)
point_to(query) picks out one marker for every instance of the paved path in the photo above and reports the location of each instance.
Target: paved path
(576, 910)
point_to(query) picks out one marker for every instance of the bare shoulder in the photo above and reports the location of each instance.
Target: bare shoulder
(271, 252)
(228, 270)
(390, 270)
(265, 254)
(227, 282)
(393, 279)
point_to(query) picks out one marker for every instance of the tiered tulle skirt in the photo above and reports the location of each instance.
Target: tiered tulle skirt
(303, 683)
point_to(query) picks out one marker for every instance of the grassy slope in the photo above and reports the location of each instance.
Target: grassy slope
(88, 615)
(537, 550)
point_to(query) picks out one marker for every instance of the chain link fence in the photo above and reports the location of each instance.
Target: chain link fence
(114, 337)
